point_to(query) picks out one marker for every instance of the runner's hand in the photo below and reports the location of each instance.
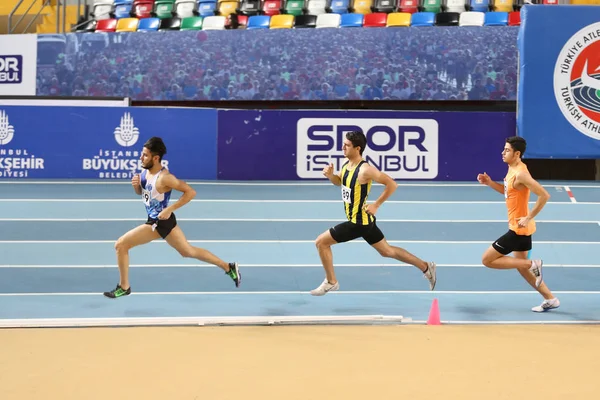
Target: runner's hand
(328, 171)
(135, 181)
(484, 179)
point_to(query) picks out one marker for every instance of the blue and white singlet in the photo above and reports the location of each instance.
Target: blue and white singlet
(155, 202)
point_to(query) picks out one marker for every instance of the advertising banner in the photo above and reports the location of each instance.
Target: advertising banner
(103, 142)
(559, 91)
(289, 145)
(18, 64)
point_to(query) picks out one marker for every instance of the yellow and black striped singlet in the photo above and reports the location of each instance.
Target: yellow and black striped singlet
(355, 195)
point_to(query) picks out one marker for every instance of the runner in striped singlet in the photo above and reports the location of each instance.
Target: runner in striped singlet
(518, 184)
(355, 180)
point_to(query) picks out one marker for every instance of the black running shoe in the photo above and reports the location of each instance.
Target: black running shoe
(234, 273)
(118, 292)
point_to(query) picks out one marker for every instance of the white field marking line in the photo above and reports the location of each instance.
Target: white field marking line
(209, 266)
(571, 197)
(153, 321)
(283, 220)
(275, 183)
(43, 200)
(296, 292)
(524, 322)
(537, 242)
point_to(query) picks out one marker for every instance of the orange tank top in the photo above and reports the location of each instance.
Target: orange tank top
(517, 202)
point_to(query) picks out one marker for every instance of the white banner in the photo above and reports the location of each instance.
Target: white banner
(18, 65)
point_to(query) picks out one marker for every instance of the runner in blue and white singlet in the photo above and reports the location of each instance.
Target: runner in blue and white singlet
(161, 222)
(154, 201)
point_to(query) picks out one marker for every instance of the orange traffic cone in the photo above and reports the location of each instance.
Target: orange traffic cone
(434, 314)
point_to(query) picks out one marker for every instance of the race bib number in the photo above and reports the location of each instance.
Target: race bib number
(505, 189)
(146, 197)
(346, 194)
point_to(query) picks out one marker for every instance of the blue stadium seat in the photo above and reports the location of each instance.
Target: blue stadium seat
(259, 22)
(479, 5)
(423, 19)
(496, 18)
(207, 7)
(148, 24)
(352, 20)
(339, 6)
(122, 8)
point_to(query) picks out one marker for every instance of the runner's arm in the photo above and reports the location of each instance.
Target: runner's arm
(170, 181)
(542, 194)
(498, 187)
(382, 178)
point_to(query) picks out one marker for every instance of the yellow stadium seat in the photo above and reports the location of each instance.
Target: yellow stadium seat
(127, 25)
(362, 6)
(503, 5)
(398, 19)
(282, 21)
(226, 8)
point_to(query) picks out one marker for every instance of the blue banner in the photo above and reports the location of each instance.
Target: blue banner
(293, 145)
(559, 86)
(103, 142)
(441, 63)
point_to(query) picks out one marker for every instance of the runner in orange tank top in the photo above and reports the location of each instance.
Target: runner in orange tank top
(518, 184)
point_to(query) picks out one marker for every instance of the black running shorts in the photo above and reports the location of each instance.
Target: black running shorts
(163, 226)
(510, 242)
(347, 231)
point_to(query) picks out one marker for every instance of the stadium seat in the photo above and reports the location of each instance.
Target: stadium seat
(328, 20)
(163, 8)
(293, 7)
(316, 7)
(479, 5)
(102, 9)
(170, 24)
(432, 6)
(447, 19)
(142, 8)
(472, 18)
(375, 20)
(496, 18)
(88, 26)
(191, 24)
(106, 25)
(226, 8)
(271, 7)
(127, 25)
(409, 6)
(361, 6)
(352, 20)
(248, 7)
(259, 22)
(423, 19)
(384, 6)
(122, 9)
(503, 5)
(398, 19)
(236, 21)
(185, 8)
(148, 24)
(306, 21)
(213, 22)
(457, 6)
(339, 7)
(281, 21)
(207, 7)
(514, 18)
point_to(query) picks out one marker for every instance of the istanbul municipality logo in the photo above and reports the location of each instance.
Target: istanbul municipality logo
(577, 81)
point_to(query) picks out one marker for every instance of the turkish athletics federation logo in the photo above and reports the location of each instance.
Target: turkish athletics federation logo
(577, 81)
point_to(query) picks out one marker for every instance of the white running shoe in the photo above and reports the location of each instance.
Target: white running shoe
(536, 269)
(547, 305)
(430, 275)
(324, 288)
